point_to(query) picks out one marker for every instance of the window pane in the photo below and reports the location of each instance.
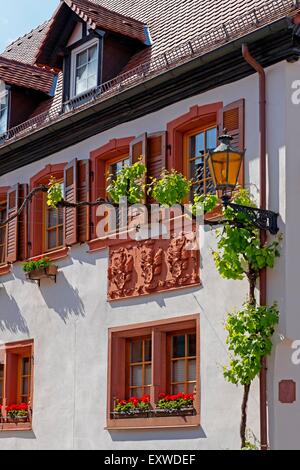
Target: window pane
(60, 236)
(136, 351)
(3, 111)
(52, 218)
(92, 68)
(148, 375)
(192, 370)
(179, 346)
(191, 388)
(92, 82)
(199, 144)
(192, 345)
(178, 388)
(81, 59)
(92, 53)
(52, 242)
(1, 371)
(26, 366)
(25, 386)
(137, 392)
(199, 169)
(178, 371)
(211, 139)
(148, 350)
(136, 376)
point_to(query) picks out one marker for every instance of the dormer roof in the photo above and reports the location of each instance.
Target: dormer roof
(27, 76)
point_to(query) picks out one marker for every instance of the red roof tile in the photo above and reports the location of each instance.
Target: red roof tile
(101, 17)
(24, 49)
(25, 75)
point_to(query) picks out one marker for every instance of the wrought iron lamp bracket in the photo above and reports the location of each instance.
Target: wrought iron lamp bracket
(262, 219)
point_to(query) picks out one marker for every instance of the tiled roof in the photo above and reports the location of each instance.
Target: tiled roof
(25, 48)
(25, 75)
(172, 22)
(98, 16)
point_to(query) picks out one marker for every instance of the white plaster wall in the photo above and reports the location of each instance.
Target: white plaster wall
(284, 171)
(69, 321)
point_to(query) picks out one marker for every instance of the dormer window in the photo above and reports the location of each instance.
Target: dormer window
(4, 100)
(85, 68)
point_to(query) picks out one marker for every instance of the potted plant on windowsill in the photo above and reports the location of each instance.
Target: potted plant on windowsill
(17, 413)
(132, 408)
(37, 269)
(181, 404)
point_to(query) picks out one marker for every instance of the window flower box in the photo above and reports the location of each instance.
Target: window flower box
(132, 408)
(38, 269)
(16, 414)
(168, 405)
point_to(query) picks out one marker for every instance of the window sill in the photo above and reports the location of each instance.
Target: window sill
(17, 426)
(153, 423)
(53, 255)
(5, 269)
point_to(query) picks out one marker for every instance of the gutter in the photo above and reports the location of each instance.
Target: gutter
(263, 236)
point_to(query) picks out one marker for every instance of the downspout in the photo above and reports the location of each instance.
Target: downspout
(263, 203)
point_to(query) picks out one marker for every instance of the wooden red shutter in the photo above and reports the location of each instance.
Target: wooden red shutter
(70, 195)
(83, 171)
(232, 118)
(138, 149)
(157, 148)
(12, 227)
(23, 224)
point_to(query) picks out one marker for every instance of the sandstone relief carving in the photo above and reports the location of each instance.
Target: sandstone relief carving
(145, 267)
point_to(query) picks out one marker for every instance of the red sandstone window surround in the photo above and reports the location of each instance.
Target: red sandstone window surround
(154, 358)
(16, 382)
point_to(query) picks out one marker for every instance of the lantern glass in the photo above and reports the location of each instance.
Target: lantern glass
(225, 168)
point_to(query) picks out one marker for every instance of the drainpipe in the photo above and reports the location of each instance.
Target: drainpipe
(263, 203)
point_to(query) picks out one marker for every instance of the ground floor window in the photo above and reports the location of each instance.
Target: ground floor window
(154, 372)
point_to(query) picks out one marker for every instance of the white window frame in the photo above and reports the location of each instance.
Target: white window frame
(4, 93)
(74, 54)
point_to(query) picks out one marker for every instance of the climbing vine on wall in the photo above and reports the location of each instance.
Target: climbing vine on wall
(239, 255)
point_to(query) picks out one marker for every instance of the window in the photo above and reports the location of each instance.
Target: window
(84, 69)
(1, 382)
(4, 100)
(140, 367)
(155, 358)
(16, 372)
(113, 167)
(54, 227)
(2, 233)
(24, 379)
(197, 145)
(183, 363)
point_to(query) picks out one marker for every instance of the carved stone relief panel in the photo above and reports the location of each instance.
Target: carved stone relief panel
(143, 267)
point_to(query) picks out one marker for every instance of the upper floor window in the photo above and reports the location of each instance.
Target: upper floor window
(53, 227)
(85, 68)
(2, 233)
(196, 147)
(4, 99)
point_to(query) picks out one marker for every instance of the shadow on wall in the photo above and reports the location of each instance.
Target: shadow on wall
(10, 315)
(171, 435)
(62, 298)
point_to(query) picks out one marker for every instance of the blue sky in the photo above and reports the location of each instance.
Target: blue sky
(17, 17)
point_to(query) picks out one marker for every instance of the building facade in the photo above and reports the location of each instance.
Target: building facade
(86, 93)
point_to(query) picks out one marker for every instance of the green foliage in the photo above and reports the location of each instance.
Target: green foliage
(249, 340)
(172, 188)
(128, 183)
(207, 202)
(55, 194)
(239, 250)
(36, 264)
